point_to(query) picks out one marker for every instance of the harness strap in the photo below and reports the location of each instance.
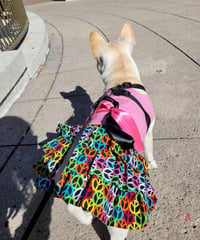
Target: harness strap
(119, 91)
(130, 85)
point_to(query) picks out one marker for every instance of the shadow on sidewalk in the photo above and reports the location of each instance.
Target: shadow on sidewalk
(18, 196)
(81, 104)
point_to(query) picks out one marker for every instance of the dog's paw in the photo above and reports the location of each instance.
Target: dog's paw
(153, 164)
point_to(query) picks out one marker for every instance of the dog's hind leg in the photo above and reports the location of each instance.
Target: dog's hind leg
(117, 233)
(148, 145)
(83, 216)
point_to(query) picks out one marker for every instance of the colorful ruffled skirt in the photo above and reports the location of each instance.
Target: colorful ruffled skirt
(100, 177)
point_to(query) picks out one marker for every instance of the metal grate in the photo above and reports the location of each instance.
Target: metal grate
(13, 24)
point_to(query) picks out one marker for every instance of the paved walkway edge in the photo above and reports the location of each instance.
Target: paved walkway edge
(17, 67)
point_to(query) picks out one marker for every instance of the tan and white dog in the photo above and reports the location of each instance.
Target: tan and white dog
(116, 64)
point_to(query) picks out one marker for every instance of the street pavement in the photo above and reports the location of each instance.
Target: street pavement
(168, 56)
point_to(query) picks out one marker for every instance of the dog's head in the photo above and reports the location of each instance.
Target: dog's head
(114, 60)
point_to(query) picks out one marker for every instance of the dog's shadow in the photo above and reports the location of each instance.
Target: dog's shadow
(82, 103)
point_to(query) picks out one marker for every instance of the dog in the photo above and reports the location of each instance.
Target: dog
(117, 66)
(106, 176)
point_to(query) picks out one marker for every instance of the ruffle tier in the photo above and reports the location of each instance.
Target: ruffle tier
(100, 177)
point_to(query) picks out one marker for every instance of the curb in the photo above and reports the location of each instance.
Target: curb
(21, 65)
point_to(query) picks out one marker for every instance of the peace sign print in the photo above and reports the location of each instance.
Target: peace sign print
(142, 178)
(95, 136)
(134, 161)
(142, 188)
(143, 207)
(81, 158)
(97, 185)
(124, 177)
(88, 204)
(107, 174)
(124, 204)
(131, 196)
(116, 201)
(57, 156)
(116, 178)
(150, 202)
(98, 211)
(130, 170)
(84, 144)
(129, 217)
(77, 181)
(134, 226)
(89, 192)
(88, 130)
(106, 139)
(111, 197)
(131, 183)
(64, 149)
(71, 165)
(64, 178)
(118, 213)
(63, 142)
(67, 190)
(117, 149)
(99, 145)
(98, 198)
(70, 200)
(102, 131)
(57, 190)
(110, 210)
(41, 170)
(111, 162)
(53, 166)
(116, 170)
(136, 181)
(54, 143)
(140, 158)
(105, 206)
(111, 221)
(44, 184)
(49, 153)
(97, 172)
(141, 219)
(121, 224)
(106, 191)
(122, 193)
(77, 194)
(100, 163)
(90, 152)
(106, 153)
(150, 192)
(134, 207)
(82, 169)
(140, 166)
(75, 153)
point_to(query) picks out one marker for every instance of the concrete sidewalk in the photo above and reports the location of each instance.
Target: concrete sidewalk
(168, 57)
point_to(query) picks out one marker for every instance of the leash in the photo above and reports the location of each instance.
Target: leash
(57, 176)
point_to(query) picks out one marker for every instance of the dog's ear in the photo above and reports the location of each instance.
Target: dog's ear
(98, 44)
(127, 34)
